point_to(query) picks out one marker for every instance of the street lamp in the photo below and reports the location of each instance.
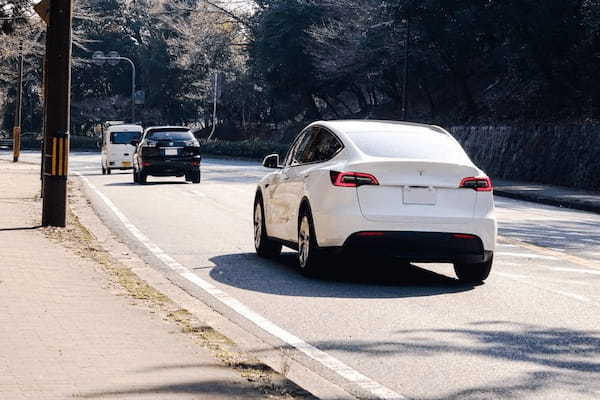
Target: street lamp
(113, 59)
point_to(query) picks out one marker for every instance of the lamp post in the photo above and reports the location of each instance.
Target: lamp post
(113, 59)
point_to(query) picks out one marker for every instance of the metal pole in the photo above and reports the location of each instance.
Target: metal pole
(56, 142)
(132, 88)
(405, 78)
(214, 127)
(132, 82)
(18, 111)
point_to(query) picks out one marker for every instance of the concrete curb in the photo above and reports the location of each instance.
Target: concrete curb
(551, 201)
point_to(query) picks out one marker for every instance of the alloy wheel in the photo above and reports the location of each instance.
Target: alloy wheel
(257, 225)
(304, 241)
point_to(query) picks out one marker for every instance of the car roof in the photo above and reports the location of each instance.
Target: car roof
(124, 126)
(167, 127)
(362, 125)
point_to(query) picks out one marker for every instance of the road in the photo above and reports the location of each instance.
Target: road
(531, 332)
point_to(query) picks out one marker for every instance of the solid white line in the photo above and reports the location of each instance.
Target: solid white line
(332, 363)
(524, 255)
(523, 279)
(582, 271)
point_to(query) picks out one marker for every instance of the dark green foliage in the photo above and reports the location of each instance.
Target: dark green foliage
(251, 149)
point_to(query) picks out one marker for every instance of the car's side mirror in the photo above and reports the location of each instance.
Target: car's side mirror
(134, 143)
(272, 161)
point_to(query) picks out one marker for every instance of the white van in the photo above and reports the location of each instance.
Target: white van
(117, 151)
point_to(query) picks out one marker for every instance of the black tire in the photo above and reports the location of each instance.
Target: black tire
(265, 247)
(103, 170)
(196, 177)
(473, 273)
(310, 257)
(142, 178)
(108, 171)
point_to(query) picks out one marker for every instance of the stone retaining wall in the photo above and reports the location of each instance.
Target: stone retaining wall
(559, 155)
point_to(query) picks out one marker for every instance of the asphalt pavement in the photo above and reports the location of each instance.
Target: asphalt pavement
(381, 330)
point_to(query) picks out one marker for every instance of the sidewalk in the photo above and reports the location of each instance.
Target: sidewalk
(68, 331)
(548, 194)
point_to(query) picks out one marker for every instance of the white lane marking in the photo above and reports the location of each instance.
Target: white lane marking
(525, 255)
(582, 271)
(332, 363)
(523, 279)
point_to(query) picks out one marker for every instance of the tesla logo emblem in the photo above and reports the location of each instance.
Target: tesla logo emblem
(421, 173)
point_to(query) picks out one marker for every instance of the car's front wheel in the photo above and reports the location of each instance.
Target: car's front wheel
(265, 247)
(310, 257)
(473, 273)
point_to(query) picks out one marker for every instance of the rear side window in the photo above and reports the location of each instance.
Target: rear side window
(323, 147)
(418, 145)
(170, 135)
(124, 137)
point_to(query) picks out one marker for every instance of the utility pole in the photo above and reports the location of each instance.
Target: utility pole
(18, 111)
(57, 119)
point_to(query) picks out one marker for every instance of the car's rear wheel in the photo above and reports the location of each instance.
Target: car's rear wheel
(142, 177)
(310, 257)
(194, 177)
(265, 247)
(473, 273)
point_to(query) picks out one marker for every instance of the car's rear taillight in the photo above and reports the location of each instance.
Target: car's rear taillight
(478, 184)
(352, 179)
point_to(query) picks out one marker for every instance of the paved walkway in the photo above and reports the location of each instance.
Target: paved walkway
(65, 333)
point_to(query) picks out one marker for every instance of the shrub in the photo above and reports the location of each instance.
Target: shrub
(252, 149)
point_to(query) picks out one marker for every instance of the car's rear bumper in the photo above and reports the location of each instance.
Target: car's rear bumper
(418, 246)
(334, 230)
(173, 167)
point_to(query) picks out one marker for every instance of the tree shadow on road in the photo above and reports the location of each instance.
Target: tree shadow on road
(382, 278)
(536, 358)
(133, 184)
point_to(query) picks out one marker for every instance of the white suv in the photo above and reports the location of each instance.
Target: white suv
(388, 188)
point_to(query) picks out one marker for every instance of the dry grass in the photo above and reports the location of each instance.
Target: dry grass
(81, 241)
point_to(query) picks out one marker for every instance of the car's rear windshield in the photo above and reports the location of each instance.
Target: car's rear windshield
(422, 144)
(171, 135)
(124, 137)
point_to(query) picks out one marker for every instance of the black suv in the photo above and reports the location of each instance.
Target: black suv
(167, 151)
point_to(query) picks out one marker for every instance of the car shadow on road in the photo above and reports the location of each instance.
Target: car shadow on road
(147, 184)
(378, 279)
